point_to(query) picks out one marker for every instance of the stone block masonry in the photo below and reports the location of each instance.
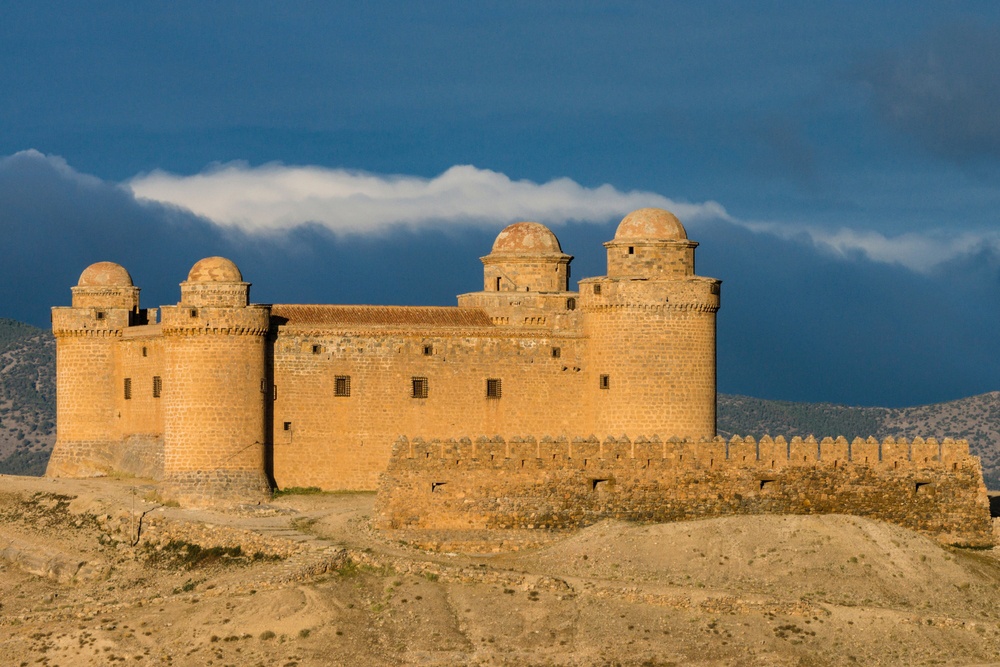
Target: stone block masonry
(527, 483)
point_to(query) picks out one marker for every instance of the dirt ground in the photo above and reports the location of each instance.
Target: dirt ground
(92, 572)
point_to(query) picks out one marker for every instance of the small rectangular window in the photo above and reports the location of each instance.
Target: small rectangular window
(342, 385)
(157, 386)
(317, 349)
(99, 314)
(144, 352)
(605, 382)
(419, 388)
(493, 388)
(288, 426)
(194, 312)
(631, 250)
(556, 352)
(128, 389)
(597, 289)
(428, 350)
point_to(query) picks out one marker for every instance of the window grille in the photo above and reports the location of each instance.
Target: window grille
(157, 386)
(605, 382)
(493, 388)
(419, 388)
(128, 389)
(342, 385)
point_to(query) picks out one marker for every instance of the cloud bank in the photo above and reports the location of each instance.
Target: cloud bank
(275, 197)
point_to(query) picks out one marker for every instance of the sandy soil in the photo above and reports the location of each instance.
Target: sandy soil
(830, 590)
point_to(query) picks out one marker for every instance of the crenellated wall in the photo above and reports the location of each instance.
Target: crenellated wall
(931, 486)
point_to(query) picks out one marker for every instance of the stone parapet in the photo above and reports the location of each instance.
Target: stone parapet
(931, 486)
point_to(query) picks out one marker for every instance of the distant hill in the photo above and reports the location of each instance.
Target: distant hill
(976, 419)
(27, 412)
(27, 398)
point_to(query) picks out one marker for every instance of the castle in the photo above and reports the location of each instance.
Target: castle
(219, 397)
(221, 400)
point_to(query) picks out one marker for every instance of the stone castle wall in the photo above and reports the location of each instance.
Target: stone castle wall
(217, 393)
(651, 356)
(528, 483)
(344, 441)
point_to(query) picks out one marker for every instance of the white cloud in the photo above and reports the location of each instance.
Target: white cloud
(276, 197)
(918, 251)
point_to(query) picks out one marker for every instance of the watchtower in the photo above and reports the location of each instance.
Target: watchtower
(105, 303)
(650, 326)
(217, 388)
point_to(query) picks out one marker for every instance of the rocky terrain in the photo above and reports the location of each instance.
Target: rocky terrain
(93, 572)
(27, 397)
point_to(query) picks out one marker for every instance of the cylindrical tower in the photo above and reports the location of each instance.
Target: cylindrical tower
(104, 303)
(650, 325)
(215, 389)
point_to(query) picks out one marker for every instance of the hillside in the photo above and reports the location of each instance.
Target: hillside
(27, 398)
(94, 573)
(27, 412)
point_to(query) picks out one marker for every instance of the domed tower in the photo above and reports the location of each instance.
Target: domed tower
(216, 386)
(650, 324)
(105, 303)
(525, 278)
(526, 257)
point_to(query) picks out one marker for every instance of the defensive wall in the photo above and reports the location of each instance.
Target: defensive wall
(527, 483)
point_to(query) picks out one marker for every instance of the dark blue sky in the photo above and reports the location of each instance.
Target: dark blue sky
(837, 161)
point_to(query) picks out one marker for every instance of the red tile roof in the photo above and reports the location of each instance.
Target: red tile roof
(374, 316)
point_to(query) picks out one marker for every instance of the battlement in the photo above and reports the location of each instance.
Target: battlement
(526, 482)
(705, 453)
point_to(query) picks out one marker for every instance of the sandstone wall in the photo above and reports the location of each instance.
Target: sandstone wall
(527, 483)
(651, 356)
(216, 399)
(86, 389)
(344, 442)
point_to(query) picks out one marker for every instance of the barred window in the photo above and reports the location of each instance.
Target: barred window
(493, 388)
(128, 389)
(157, 386)
(605, 382)
(342, 385)
(419, 388)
